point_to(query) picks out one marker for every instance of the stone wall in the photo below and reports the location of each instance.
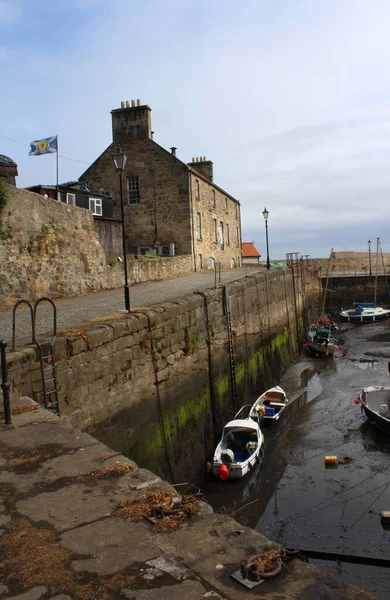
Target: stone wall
(215, 207)
(349, 262)
(49, 248)
(163, 213)
(161, 378)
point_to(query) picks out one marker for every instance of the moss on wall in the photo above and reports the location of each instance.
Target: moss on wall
(150, 450)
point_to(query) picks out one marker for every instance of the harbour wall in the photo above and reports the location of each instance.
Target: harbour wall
(344, 291)
(159, 384)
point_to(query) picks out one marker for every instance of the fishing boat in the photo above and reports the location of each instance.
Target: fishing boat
(239, 450)
(321, 341)
(375, 401)
(365, 312)
(327, 324)
(269, 406)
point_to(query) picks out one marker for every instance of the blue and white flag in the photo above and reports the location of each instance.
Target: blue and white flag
(46, 146)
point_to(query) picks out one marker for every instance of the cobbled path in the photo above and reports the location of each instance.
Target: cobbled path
(72, 313)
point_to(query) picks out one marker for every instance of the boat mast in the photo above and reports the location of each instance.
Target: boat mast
(326, 284)
(384, 270)
(376, 268)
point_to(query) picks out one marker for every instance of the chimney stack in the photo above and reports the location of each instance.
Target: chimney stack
(130, 123)
(203, 166)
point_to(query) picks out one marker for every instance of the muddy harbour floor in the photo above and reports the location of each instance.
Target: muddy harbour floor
(292, 497)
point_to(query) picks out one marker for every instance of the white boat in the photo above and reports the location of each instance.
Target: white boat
(239, 449)
(365, 313)
(270, 405)
(375, 401)
(368, 312)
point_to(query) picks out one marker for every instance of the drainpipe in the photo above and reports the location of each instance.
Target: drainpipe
(192, 219)
(239, 241)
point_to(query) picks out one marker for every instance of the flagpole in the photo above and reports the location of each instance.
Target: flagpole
(58, 193)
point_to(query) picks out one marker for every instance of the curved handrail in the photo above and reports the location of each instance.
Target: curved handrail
(36, 303)
(32, 316)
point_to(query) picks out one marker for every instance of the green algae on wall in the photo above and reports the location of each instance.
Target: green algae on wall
(151, 447)
(194, 411)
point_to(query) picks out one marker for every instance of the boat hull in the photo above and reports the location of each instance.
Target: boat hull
(380, 422)
(321, 349)
(236, 471)
(365, 317)
(239, 450)
(274, 397)
(375, 401)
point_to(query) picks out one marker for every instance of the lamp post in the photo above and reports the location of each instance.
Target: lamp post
(120, 160)
(265, 215)
(369, 255)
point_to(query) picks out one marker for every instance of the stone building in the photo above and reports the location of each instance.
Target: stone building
(250, 254)
(170, 207)
(8, 169)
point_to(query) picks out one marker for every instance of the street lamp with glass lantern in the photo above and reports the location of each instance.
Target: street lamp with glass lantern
(369, 255)
(265, 215)
(120, 160)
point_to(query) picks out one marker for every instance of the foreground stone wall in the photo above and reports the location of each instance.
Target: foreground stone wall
(50, 248)
(156, 378)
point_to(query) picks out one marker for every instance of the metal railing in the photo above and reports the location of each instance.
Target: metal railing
(5, 385)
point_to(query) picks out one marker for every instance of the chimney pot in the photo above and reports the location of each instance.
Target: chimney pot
(127, 104)
(193, 159)
(152, 134)
(133, 103)
(173, 150)
(138, 102)
(196, 160)
(122, 104)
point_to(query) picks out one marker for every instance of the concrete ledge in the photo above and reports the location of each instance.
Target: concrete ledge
(53, 498)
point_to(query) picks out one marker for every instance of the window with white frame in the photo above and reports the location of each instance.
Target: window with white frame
(71, 199)
(199, 225)
(221, 236)
(197, 194)
(133, 194)
(227, 234)
(214, 230)
(95, 205)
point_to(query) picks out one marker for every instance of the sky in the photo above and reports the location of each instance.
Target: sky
(290, 99)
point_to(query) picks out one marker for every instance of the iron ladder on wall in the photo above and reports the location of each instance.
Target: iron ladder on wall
(46, 363)
(293, 260)
(231, 348)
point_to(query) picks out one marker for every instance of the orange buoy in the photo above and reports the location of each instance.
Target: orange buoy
(223, 472)
(357, 401)
(331, 460)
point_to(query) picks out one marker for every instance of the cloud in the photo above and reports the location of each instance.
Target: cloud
(289, 100)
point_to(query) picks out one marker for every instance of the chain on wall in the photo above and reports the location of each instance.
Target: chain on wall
(213, 402)
(288, 318)
(231, 348)
(160, 415)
